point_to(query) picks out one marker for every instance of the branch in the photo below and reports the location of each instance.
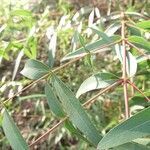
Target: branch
(55, 70)
(124, 74)
(139, 50)
(136, 88)
(90, 101)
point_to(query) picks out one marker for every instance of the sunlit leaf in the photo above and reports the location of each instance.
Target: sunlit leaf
(131, 66)
(96, 81)
(12, 133)
(92, 47)
(144, 24)
(52, 50)
(113, 28)
(140, 42)
(135, 127)
(17, 63)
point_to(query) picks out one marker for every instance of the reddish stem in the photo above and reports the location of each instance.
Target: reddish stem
(124, 74)
(136, 88)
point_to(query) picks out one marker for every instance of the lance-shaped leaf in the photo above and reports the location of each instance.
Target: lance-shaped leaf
(132, 146)
(135, 127)
(12, 133)
(144, 24)
(53, 102)
(113, 28)
(102, 35)
(92, 47)
(75, 112)
(96, 81)
(75, 131)
(34, 69)
(140, 42)
(131, 66)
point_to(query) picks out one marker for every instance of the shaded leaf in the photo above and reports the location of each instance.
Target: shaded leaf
(135, 127)
(53, 102)
(75, 131)
(75, 112)
(132, 146)
(12, 133)
(96, 81)
(34, 69)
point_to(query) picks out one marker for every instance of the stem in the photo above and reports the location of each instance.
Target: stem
(136, 88)
(124, 74)
(55, 70)
(139, 50)
(90, 101)
(48, 132)
(94, 98)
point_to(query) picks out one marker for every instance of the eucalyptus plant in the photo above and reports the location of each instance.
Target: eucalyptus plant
(127, 39)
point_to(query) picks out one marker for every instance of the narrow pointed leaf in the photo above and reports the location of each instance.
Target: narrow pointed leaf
(92, 47)
(17, 64)
(102, 35)
(131, 61)
(52, 50)
(97, 81)
(144, 24)
(135, 127)
(140, 42)
(132, 146)
(53, 102)
(12, 133)
(75, 112)
(113, 28)
(34, 69)
(75, 131)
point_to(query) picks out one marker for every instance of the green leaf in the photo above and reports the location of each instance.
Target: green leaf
(113, 28)
(132, 146)
(53, 102)
(75, 131)
(96, 81)
(17, 63)
(92, 47)
(52, 49)
(144, 24)
(131, 61)
(140, 42)
(21, 12)
(34, 69)
(75, 111)
(102, 35)
(88, 58)
(135, 127)
(12, 133)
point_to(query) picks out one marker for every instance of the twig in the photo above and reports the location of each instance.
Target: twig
(139, 50)
(136, 88)
(90, 101)
(55, 70)
(48, 132)
(124, 74)
(94, 98)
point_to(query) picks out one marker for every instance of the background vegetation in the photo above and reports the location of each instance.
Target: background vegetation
(48, 30)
